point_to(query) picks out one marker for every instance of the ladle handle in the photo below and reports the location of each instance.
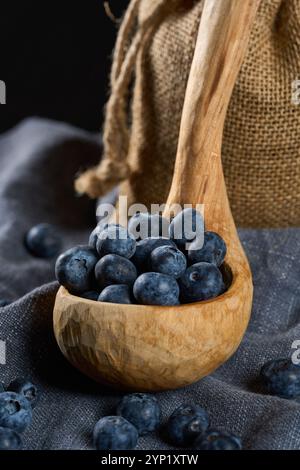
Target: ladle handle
(220, 49)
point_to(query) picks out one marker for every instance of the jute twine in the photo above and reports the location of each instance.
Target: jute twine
(261, 145)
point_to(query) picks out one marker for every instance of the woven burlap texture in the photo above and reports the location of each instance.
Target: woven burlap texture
(261, 143)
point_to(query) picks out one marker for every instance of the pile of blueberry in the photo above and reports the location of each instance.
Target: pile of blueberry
(16, 404)
(119, 265)
(140, 413)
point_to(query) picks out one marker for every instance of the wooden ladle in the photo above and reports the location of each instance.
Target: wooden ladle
(157, 348)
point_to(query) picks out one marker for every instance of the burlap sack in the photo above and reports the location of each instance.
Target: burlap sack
(261, 146)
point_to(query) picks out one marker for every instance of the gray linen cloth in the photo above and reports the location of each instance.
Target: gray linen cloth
(38, 162)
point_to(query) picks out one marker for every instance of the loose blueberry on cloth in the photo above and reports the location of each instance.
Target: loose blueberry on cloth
(282, 378)
(43, 240)
(9, 439)
(15, 411)
(214, 439)
(16, 403)
(26, 388)
(142, 410)
(114, 433)
(186, 423)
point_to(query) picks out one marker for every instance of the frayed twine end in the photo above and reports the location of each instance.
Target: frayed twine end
(98, 181)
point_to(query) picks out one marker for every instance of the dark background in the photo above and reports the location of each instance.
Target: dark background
(55, 59)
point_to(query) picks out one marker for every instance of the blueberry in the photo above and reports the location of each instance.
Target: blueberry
(114, 433)
(90, 295)
(96, 232)
(15, 411)
(213, 250)
(43, 241)
(168, 260)
(94, 236)
(186, 226)
(74, 269)
(116, 240)
(114, 269)
(141, 257)
(9, 439)
(117, 294)
(281, 377)
(186, 423)
(214, 439)
(4, 302)
(26, 388)
(142, 410)
(201, 281)
(143, 225)
(156, 289)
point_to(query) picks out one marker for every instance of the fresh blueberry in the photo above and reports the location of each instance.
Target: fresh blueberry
(217, 440)
(43, 241)
(282, 378)
(2, 388)
(15, 411)
(114, 433)
(186, 226)
(116, 294)
(213, 250)
(9, 439)
(94, 236)
(26, 388)
(144, 225)
(142, 410)
(186, 423)
(201, 281)
(96, 232)
(74, 269)
(116, 240)
(156, 289)
(4, 302)
(90, 295)
(114, 269)
(141, 257)
(168, 260)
